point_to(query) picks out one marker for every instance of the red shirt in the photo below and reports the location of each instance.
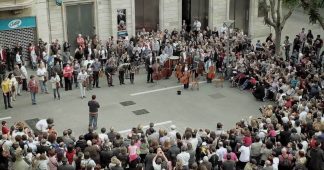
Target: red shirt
(33, 86)
(67, 71)
(5, 130)
(247, 140)
(69, 156)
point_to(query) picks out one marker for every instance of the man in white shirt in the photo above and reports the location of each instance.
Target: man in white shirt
(82, 79)
(244, 156)
(42, 125)
(173, 132)
(88, 61)
(87, 162)
(221, 152)
(184, 156)
(103, 136)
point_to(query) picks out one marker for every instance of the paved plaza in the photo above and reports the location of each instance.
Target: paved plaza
(198, 109)
(159, 101)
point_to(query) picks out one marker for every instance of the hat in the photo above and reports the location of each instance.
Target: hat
(173, 127)
(89, 143)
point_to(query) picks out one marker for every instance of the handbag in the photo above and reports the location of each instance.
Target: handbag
(58, 85)
(101, 73)
(13, 88)
(45, 79)
(19, 80)
(84, 83)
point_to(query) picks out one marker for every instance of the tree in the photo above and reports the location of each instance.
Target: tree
(275, 18)
(312, 8)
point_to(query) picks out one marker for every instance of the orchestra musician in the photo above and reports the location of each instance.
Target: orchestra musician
(110, 69)
(185, 79)
(195, 79)
(149, 67)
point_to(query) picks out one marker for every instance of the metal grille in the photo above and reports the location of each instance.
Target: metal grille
(9, 38)
(141, 112)
(127, 103)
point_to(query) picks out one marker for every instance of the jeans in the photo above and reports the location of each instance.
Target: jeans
(131, 77)
(121, 77)
(287, 55)
(95, 79)
(149, 75)
(58, 93)
(82, 90)
(24, 85)
(43, 86)
(6, 99)
(68, 83)
(109, 79)
(75, 80)
(93, 120)
(33, 97)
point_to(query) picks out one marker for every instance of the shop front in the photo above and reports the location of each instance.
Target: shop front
(22, 30)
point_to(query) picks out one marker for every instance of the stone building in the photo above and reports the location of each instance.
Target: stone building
(64, 19)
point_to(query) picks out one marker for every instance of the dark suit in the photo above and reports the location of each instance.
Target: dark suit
(149, 64)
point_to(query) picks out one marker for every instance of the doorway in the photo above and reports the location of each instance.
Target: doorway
(146, 15)
(239, 12)
(80, 20)
(192, 9)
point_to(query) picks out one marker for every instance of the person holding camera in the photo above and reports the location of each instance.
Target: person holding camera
(160, 160)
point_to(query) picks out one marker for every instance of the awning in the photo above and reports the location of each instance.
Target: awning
(9, 5)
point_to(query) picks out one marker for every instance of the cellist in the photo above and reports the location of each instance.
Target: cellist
(210, 73)
(178, 72)
(185, 79)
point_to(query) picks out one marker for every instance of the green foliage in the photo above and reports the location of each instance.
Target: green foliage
(290, 3)
(312, 7)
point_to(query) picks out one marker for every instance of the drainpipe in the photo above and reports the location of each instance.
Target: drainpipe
(49, 22)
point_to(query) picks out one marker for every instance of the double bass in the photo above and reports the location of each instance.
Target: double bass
(167, 68)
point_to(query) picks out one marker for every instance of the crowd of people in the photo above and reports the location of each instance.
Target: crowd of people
(287, 135)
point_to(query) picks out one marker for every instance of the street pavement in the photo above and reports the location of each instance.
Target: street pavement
(196, 109)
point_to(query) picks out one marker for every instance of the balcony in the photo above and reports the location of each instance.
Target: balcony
(9, 5)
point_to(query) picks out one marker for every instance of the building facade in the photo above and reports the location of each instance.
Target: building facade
(55, 19)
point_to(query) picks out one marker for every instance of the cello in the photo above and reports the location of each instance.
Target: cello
(156, 75)
(178, 72)
(185, 79)
(167, 68)
(211, 73)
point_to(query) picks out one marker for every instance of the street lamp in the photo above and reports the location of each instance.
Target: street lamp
(228, 24)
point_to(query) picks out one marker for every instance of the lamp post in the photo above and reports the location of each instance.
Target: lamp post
(228, 24)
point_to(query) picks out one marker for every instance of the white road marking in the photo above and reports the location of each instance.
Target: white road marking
(147, 126)
(162, 89)
(5, 118)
